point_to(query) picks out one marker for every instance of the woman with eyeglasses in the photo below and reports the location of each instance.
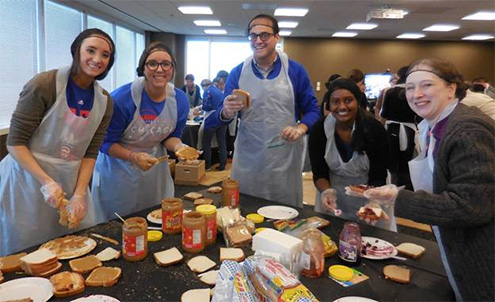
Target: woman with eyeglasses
(149, 117)
(55, 132)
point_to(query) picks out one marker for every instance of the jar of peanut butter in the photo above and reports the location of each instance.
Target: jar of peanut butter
(172, 215)
(210, 213)
(135, 239)
(193, 232)
(230, 193)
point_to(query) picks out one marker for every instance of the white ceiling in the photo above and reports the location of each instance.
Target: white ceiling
(324, 18)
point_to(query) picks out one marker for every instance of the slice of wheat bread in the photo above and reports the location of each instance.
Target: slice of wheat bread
(168, 257)
(51, 271)
(103, 276)
(196, 295)
(204, 200)
(1, 277)
(11, 263)
(66, 284)
(214, 190)
(209, 277)
(85, 264)
(200, 264)
(234, 254)
(397, 273)
(410, 249)
(108, 254)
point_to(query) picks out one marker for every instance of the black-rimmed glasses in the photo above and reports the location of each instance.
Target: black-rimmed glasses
(263, 36)
(153, 65)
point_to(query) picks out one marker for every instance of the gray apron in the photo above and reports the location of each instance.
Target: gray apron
(272, 171)
(58, 145)
(118, 185)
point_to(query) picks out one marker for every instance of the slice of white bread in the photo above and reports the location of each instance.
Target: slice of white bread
(214, 190)
(53, 270)
(108, 254)
(397, 273)
(196, 295)
(200, 264)
(192, 196)
(234, 254)
(11, 263)
(66, 284)
(209, 277)
(168, 257)
(410, 249)
(103, 276)
(85, 264)
(201, 201)
(41, 262)
(38, 257)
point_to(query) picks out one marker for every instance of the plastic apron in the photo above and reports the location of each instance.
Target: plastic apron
(58, 145)
(263, 169)
(118, 185)
(342, 174)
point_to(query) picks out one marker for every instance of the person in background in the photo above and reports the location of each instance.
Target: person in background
(400, 122)
(192, 91)
(149, 117)
(475, 98)
(481, 85)
(269, 148)
(324, 112)
(55, 133)
(347, 147)
(221, 78)
(453, 178)
(358, 77)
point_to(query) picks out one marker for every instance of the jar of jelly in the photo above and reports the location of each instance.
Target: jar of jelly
(350, 244)
(135, 239)
(172, 215)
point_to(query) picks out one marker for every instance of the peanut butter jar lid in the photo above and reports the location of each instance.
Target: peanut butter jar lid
(154, 235)
(256, 218)
(206, 209)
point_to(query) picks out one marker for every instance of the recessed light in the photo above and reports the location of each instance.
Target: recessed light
(285, 33)
(291, 12)
(363, 26)
(478, 37)
(287, 24)
(207, 23)
(196, 10)
(215, 31)
(484, 16)
(344, 34)
(441, 27)
(410, 36)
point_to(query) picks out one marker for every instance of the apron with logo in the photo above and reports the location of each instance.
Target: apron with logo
(265, 165)
(118, 185)
(58, 145)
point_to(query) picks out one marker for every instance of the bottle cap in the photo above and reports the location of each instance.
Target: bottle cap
(341, 272)
(256, 218)
(154, 235)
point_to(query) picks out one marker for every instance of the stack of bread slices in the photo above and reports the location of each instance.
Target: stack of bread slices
(41, 263)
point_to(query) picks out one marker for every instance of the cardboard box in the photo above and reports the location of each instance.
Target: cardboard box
(186, 174)
(171, 166)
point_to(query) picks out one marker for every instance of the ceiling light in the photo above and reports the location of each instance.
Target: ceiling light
(215, 31)
(344, 34)
(485, 16)
(291, 12)
(287, 24)
(207, 23)
(285, 33)
(195, 10)
(363, 26)
(410, 36)
(478, 37)
(441, 27)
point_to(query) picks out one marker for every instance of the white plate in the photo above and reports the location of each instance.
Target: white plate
(38, 289)
(354, 299)
(278, 212)
(153, 219)
(96, 298)
(389, 250)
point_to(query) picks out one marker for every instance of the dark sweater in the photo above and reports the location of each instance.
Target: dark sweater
(462, 203)
(396, 108)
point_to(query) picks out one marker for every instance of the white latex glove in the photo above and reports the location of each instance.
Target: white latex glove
(292, 133)
(231, 105)
(53, 194)
(142, 160)
(384, 195)
(77, 206)
(328, 199)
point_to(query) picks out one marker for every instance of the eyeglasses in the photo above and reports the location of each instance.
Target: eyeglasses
(153, 65)
(263, 36)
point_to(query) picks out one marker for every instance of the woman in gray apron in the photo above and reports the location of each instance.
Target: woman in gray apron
(453, 178)
(58, 157)
(347, 148)
(128, 177)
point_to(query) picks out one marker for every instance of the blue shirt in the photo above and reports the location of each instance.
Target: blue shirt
(124, 109)
(305, 103)
(79, 100)
(212, 97)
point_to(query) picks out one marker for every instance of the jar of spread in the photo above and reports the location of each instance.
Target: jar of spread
(350, 244)
(135, 239)
(210, 213)
(172, 215)
(193, 232)
(313, 254)
(230, 193)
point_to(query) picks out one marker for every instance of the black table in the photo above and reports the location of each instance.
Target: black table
(146, 281)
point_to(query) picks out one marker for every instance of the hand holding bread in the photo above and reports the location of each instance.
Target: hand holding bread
(142, 160)
(53, 194)
(235, 102)
(77, 207)
(384, 195)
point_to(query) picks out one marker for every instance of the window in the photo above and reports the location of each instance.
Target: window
(125, 67)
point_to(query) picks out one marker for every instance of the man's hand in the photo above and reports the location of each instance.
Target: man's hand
(142, 160)
(293, 133)
(231, 105)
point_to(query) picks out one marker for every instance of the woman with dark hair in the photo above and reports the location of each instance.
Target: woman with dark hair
(55, 132)
(150, 115)
(453, 178)
(348, 147)
(357, 76)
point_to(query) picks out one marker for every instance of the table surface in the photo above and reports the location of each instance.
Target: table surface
(147, 281)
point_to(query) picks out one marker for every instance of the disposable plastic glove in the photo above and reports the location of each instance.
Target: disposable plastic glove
(384, 195)
(231, 105)
(53, 194)
(292, 133)
(143, 160)
(77, 207)
(329, 201)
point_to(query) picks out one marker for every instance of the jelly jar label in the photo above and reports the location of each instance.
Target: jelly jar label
(348, 252)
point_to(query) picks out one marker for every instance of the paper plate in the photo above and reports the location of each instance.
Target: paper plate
(278, 212)
(155, 216)
(377, 249)
(354, 299)
(96, 298)
(70, 246)
(38, 289)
